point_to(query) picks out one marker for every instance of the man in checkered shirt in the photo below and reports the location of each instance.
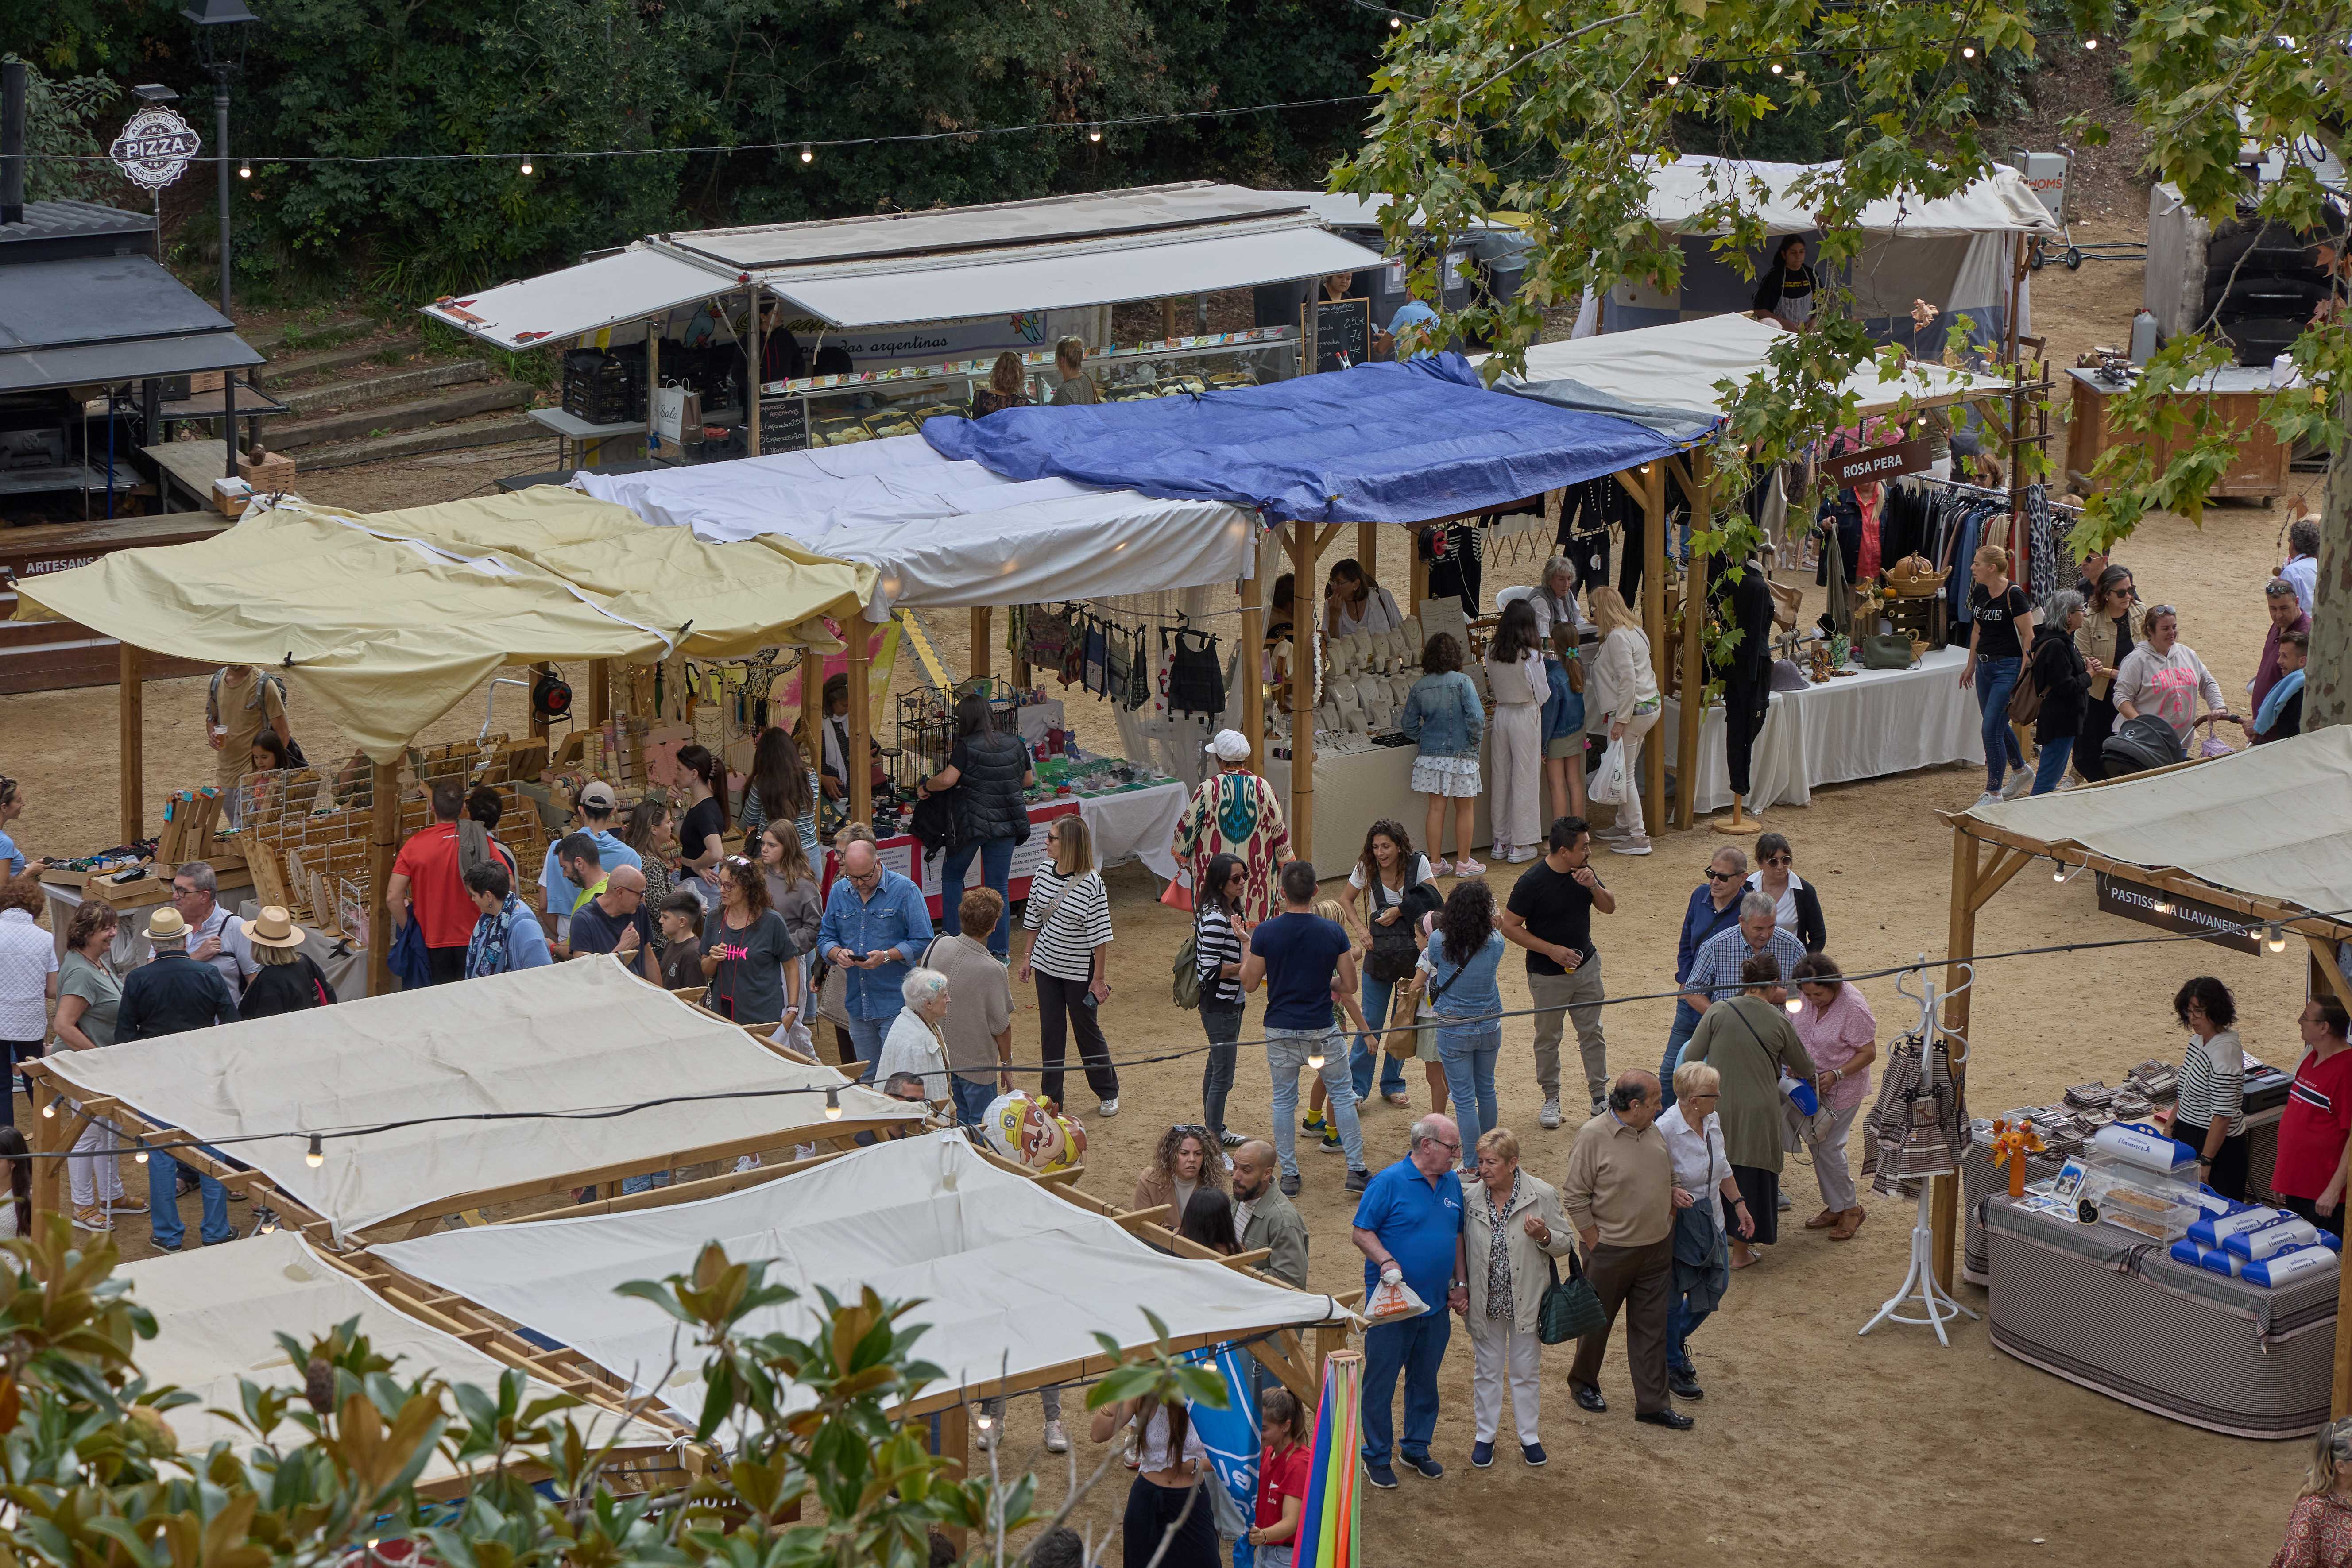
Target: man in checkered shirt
(1715, 973)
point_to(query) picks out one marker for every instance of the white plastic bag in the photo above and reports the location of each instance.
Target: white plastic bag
(1388, 1304)
(1609, 785)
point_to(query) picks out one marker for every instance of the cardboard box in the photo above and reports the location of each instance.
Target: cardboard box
(230, 497)
(268, 472)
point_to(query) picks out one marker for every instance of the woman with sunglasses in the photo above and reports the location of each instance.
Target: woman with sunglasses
(745, 949)
(1707, 1207)
(1796, 907)
(1714, 909)
(1220, 935)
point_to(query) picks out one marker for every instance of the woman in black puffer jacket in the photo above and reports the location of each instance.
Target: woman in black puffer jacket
(2065, 682)
(987, 770)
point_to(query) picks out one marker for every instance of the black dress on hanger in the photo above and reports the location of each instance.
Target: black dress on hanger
(1748, 685)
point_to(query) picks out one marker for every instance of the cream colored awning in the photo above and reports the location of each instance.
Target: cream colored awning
(387, 622)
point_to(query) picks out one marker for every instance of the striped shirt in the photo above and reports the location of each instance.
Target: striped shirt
(1215, 944)
(2212, 1084)
(1716, 971)
(1080, 924)
(754, 816)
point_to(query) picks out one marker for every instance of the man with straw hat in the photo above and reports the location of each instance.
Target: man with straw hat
(289, 981)
(172, 994)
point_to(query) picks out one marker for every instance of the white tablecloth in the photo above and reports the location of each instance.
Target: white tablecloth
(1353, 790)
(1132, 825)
(1864, 725)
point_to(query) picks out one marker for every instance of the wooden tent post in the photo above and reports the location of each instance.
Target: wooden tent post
(1303, 637)
(1368, 549)
(130, 743)
(52, 1136)
(955, 1446)
(982, 654)
(384, 843)
(1693, 696)
(1959, 943)
(1249, 670)
(600, 693)
(1654, 626)
(752, 357)
(859, 762)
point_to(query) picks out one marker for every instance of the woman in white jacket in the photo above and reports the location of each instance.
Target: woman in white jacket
(2164, 677)
(1624, 697)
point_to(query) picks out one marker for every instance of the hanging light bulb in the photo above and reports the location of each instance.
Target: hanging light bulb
(1395, 23)
(984, 1421)
(2091, 44)
(808, 152)
(833, 1104)
(141, 1158)
(526, 165)
(49, 1109)
(1315, 1057)
(245, 168)
(1967, 51)
(1094, 133)
(1776, 68)
(317, 1153)
(2273, 938)
(1795, 1004)
(2163, 906)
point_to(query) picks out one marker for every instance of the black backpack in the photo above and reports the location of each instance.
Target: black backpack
(937, 823)
(2141, 743)
(1394, 953)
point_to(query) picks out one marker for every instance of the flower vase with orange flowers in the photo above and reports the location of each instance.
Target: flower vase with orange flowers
(2011, 1142)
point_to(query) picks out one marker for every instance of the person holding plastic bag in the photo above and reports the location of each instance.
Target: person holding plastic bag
(1623, 694)
(1408, 1226)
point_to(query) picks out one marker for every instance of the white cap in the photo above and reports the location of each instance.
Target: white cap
(1228, 746)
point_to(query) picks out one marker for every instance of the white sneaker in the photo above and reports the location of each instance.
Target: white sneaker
(1611, 832)
(1549, 1116)
(1108, 1107)
(1057, 1440)
(2018, 782)
(1438, 868)
(1521, 856)
(1989, 798)
(1633, 846)
(1469, 868)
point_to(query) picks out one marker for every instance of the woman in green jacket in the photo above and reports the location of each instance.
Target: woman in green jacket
(1750, 1040)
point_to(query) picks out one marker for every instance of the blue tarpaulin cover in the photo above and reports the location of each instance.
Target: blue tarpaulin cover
(1378, 443)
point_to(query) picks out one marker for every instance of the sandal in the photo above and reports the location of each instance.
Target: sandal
(1848, 1223)
(1824, 1219)
(1398, 1097)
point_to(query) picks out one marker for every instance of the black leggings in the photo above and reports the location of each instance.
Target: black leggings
(2099, 723)
(1063, 1004)
(1153, 1509)
(20, 1050)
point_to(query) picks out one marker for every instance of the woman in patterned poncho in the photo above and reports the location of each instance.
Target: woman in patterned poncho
(1235, 812)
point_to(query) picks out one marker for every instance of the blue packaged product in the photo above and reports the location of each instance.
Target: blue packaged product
(2269, 1241)
(2189, 1255)
(2286, 1267)
(2215, 1228)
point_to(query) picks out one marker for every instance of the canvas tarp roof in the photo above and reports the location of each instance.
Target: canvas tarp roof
(2273, 823)
(1014, 1279)
(219, 1309)
(1381, 443)
(629, 286)
(1683, 188)
(387, 622)
(1666, 375)
(580, 1036)
(941, 533)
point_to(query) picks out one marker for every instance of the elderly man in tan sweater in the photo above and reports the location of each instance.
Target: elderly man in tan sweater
(1620, 1196)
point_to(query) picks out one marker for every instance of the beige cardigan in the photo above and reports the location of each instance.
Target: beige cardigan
(2097, 640)
(1529, 1272)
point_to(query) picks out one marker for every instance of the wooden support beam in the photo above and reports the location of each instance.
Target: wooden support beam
(1303, 636)
(860, 760)
(751, 356)
(1249, 1260)
(1368, 549)
(2322, 960)
(979, 661)
(1959, 944)
(130, 743)
(1136, 1218)
(2007, 863)
(955, 1446)
(1695, 618)
(52, 1136)
(384, 844)
(1249, 669)
(1654, 626)
(600, 693)
(1292, 1377)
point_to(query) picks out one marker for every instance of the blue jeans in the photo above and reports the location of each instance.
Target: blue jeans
(865, 1036)
(646, 1183)
(163, 1205)
(1413, 1348)
(1680, 1323)
(1996, 678)
(1378, 995)
(2050, 766)
(1286, 1051)
(1686, 1026)
(996, 871)
(1468, 1057)
(1222, 1024)
(972, 1100)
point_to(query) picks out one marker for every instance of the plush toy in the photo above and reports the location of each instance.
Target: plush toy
(1033, 1133)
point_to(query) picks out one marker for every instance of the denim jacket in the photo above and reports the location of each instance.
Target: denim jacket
(895, 918)
(1471, 999)
(1443, 713)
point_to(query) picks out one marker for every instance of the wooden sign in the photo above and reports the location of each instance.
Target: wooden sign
(1874, 463)
(1343, 333)
(2170, 912)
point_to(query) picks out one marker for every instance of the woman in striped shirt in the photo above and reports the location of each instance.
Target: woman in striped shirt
(1219, 931)
(2210, 1115)
(1067, 921)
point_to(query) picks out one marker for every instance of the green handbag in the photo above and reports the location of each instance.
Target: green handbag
(1887, 652)
(1571, 1308)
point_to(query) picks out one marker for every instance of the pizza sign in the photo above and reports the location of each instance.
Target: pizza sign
(154, 149)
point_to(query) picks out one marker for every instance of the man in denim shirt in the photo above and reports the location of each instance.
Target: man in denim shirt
(1714, 909)
(875, 926)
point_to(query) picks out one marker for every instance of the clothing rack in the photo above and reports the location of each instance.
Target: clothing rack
(1938, 1305)
(1987, 492)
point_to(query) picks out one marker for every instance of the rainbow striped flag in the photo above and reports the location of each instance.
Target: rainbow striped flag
(1326, 1528)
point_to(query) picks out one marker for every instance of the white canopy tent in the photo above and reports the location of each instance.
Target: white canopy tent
(585, 1036)
(943, 534)
(1956, 252)
(645, 279)
(1015, 1280)
(219, 1310)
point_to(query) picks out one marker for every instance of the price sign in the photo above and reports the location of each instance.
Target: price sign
(783, 424)
(1343, 333)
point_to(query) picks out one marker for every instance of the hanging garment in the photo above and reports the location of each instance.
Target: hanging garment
(1869, 558)
(2049, 567)
(1097, 677)
(1456, 553)
(1918, 1119)
(1588, 553)
(1195, 680)
(1839, 519)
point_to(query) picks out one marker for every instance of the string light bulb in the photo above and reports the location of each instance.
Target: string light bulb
(316, 1156)
(526, 165)
(2091, 44)
(1776, 68)
(1315, 1058)
(1094, 133)
(49, 1108)
(833, 1104)
(808, 152)
(1967, 51)
(2273, 938)
(245, 168)
(1795, 1004)
(139, 1158)
(1395, 23)
(2163, 906)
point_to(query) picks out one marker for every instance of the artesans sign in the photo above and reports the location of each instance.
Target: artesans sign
(154, 147)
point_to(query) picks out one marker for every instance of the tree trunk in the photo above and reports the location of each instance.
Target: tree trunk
(2328, 687)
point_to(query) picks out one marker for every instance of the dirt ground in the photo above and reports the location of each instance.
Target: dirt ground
(1812, 1446)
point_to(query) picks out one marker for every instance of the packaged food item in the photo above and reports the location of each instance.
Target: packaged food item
(2213, 1229)
(2289, 1267)
(2269, 1240)
(2138, 1143)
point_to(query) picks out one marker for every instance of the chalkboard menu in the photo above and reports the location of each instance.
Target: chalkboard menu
(783, 424)
(1343, 333)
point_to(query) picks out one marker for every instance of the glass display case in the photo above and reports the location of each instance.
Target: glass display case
(868, 405)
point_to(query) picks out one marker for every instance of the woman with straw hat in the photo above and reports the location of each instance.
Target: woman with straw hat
(289, 981)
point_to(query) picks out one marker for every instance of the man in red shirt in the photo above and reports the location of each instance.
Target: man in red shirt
(428, 881)
(2315, 1129)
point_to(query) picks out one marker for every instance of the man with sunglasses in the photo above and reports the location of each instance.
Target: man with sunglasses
(1714, 909)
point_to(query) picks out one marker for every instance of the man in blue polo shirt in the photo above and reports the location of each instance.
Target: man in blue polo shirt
(1409, 1227)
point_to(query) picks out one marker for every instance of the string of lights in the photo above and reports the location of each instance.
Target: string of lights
(2272, 934)
(1778, 61)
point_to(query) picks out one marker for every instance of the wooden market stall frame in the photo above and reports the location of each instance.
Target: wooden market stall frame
(1287, 1354)
(62, 1112)
(1976, 878)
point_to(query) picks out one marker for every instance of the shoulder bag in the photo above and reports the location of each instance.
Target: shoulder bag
(1403, 1041)
(1571, 1308)
(1393, 953)
(2025, 698)
(1185, 978)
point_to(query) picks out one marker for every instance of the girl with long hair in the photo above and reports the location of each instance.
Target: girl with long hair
(1386, 869)
(1171, 1462)
(705, 825)
(1624, 697)
(651, 830)
(1182, 1163)
(1458, 967)
(1067, 927)
(782, 785)
(1516, 679)
(2110, 630)
(744, 948)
